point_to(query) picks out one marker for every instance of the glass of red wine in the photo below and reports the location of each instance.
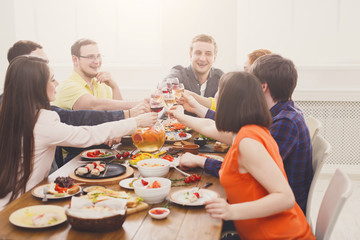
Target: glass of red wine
(156, 101)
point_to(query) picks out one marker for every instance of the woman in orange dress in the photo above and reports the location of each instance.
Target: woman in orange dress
(260, 200)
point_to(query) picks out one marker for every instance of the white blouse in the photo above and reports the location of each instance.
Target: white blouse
(49, 132)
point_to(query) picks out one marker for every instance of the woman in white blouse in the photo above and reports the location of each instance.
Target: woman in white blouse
(30, 132)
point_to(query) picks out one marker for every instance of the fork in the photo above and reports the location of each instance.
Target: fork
(45, 191)
(207, 184)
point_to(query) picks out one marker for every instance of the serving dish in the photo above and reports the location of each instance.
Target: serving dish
(200, 141)
(108, 154)
(152, 195)
(24, 217)
(111, 170)
(153, 167)
(175, 162)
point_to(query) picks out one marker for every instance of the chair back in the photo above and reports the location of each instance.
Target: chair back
(320, 151)
(314, 126)
(338, 191)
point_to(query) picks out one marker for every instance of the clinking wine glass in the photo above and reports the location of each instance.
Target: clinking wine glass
(174, 82)
(156, 101)
(169, 100)
(178, 91)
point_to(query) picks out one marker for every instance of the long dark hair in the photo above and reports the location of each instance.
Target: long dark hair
(24, 95)
(240, 102)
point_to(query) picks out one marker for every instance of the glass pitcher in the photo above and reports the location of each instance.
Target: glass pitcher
(149, 139)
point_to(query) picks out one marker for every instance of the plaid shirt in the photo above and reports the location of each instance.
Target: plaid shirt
(292, 135)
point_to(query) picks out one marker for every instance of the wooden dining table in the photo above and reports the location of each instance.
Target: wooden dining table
(183, 222)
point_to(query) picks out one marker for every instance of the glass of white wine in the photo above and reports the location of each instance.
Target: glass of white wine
(169, 100)
(178, 91)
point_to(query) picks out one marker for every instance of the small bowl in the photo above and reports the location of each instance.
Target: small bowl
(153, 213)
(147, 169)
(126, 140)
(191, 148)
(200, 141)
(153, 195)
(105, 224)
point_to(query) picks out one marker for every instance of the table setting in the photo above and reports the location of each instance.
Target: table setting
(132, 190)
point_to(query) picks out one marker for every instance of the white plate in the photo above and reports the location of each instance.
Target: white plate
(106, 151)
(38, 192)
(214, 157)
(125, 183)
(180, 197)
(23, 217)
(177, 138)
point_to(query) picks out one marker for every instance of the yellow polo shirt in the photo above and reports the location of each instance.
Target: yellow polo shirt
(69, 91)
(213, 104)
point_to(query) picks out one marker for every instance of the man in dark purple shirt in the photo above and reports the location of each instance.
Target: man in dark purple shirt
(278, 77)
(200, 76)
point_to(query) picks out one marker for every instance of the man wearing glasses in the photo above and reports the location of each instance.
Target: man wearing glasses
(88, 87)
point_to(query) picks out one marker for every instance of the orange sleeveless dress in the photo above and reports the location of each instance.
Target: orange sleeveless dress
(290, 224)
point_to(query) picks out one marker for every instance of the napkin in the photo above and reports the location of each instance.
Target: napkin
(84, 208)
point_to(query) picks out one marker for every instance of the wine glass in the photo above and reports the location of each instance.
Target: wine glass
(178, 91)
(164, 86)
(156, 101)
(169, 100)
(174, 82)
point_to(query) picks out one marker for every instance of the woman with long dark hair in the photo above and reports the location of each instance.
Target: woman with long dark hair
(29, 131)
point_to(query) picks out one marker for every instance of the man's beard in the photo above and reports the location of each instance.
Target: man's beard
(87, 74)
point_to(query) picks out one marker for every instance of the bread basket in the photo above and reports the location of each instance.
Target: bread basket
(105, 224)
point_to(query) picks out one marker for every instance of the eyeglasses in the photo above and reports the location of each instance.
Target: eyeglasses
(93, 57)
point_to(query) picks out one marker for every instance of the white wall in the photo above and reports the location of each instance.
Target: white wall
(181, 20)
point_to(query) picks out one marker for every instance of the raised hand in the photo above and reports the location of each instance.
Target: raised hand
(105, 77)
(176, 111)
(142, 107)
(191, 105)
(146, 119)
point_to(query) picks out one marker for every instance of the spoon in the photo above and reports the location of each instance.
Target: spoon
(45, 191)
(182, 172)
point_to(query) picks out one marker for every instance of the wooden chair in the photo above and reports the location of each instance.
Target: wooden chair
(320, 151)
(338, 191)
(314, 126)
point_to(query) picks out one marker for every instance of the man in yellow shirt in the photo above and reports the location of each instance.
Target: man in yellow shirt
(88, 87)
